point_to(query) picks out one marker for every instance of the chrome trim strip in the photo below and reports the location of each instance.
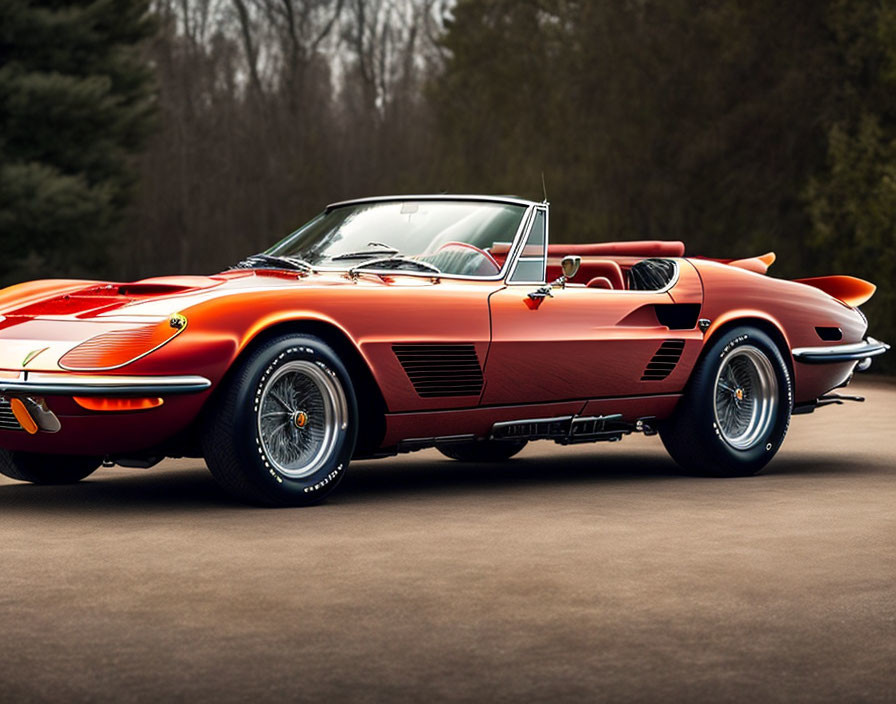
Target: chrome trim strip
(840, 353)
(104, 318)
(530, 223)
(82, 385)
(553, 419)
(440, 196)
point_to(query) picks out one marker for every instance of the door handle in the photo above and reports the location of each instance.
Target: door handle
(541, 293)
(537, 297)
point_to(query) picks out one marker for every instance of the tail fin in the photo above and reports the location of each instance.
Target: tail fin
(758, 264)
(852, 291)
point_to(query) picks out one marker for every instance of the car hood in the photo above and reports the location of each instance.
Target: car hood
(42, 320)
(83, 300)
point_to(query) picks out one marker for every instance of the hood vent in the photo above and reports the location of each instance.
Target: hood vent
(663, 362)
(438, 370)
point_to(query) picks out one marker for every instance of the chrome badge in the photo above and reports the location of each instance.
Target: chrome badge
(32, 354)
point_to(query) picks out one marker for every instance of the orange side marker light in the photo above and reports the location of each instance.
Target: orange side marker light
(23, 416)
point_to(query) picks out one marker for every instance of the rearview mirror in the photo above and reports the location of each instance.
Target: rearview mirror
(570, 266)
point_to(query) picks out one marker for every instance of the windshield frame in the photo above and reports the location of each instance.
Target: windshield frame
(510, 260)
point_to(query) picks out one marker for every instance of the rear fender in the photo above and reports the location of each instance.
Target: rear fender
(745, 316)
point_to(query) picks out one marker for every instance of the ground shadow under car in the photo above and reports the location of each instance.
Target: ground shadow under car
(190, 486)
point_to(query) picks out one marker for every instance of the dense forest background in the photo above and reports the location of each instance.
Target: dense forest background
(141, 138)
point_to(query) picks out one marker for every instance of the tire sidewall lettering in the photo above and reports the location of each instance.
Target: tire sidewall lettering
(772, 441)
(327, 475)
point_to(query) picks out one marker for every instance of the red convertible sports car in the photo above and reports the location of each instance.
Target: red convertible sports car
(386, 325)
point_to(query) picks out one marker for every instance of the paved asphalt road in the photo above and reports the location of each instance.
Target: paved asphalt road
(569, 574)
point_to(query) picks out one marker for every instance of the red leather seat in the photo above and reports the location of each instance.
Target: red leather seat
(589, 269)
(604, 268)
(599, 282)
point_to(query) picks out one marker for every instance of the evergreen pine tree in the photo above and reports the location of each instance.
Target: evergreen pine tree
(853, 200)
(76, 101)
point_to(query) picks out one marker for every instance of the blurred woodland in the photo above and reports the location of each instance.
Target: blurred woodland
(141, 138)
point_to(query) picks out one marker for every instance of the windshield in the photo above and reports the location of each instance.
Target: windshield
(465, 238)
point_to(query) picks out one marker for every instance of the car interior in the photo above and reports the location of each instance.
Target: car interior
(637, 265)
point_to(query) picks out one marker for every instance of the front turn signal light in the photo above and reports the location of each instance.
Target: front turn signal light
(119, 348)
(116, 405)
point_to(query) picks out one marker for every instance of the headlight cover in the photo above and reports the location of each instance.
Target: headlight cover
(112, 350)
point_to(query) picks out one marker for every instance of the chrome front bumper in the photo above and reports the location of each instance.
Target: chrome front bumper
(42, 384)
(855, 352)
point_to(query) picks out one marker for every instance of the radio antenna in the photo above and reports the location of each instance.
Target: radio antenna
(544, 188)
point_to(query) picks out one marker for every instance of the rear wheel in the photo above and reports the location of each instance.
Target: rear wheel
(481, 450)
(736, 410)
(284, 428)
(46, 469)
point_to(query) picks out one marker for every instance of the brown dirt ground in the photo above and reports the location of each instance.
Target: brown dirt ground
(569, 574)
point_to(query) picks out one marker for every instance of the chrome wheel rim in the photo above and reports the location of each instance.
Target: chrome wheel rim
(300, 414)
(746, 397)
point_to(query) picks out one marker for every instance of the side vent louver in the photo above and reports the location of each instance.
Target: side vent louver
(663, 362)
(7, 419)
(441, 370)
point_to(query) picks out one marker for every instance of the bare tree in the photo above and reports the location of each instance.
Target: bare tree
(389, 41)
(271, 108)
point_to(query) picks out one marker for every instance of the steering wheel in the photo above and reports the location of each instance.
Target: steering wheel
(488, 260)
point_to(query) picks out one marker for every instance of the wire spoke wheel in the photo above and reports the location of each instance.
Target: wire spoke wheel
(735, 412)
(745, 397)
(283, 429)
(301, 411)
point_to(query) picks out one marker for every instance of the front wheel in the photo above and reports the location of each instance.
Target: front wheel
(284, 428)
(46, 469)
(736, 409)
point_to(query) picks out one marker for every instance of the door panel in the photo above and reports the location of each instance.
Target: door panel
(582, 343)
